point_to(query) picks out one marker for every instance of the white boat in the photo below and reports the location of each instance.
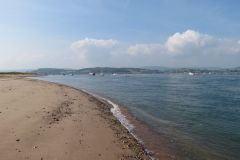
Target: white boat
(190, 74)
(114, 74)
(93, 74)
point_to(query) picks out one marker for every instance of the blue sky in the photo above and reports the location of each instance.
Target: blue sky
(86, 33)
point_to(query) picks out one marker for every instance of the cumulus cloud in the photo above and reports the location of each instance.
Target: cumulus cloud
(145, 49)
(92, 51)
(186, 48)
(193, 42)
(94, 42)
(180, 42)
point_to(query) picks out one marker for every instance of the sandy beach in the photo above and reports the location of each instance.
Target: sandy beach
(46, 121)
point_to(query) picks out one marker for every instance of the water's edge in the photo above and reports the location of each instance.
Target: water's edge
(115, 110)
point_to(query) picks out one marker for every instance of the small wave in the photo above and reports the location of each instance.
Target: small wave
(116, 112)
(122, 119)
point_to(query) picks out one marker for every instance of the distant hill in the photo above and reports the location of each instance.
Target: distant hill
(146, 70)
(109, 70)
(97, 70)
(195, 69)
(160, 68)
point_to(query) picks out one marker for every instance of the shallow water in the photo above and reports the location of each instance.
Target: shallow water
(199, 114)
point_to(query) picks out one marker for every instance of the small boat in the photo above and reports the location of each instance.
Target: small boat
(92, 73)
(190, 74)
(114, 74)
(101, 74)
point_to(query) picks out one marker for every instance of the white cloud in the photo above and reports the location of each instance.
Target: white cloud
(180, 42)
(180, 49)
(192, 42)
(145, 49)
(92, 51)
(88, 42)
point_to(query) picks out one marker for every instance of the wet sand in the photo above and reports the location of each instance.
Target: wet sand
(47, 121)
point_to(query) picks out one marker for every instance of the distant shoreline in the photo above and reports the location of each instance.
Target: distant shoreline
(110, 70)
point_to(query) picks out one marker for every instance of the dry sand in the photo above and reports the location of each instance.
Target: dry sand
(46, 121)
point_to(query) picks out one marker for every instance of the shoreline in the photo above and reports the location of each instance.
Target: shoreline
(124, 119)
(116, 111)
(53, 118)
(138, 129)
(155, 145)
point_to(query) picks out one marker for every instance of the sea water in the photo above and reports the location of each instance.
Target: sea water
(196, 116)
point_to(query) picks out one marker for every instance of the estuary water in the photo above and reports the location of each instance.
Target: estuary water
(189, 117)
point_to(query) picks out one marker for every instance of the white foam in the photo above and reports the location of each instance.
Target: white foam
(122, 119)
(117, 113)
